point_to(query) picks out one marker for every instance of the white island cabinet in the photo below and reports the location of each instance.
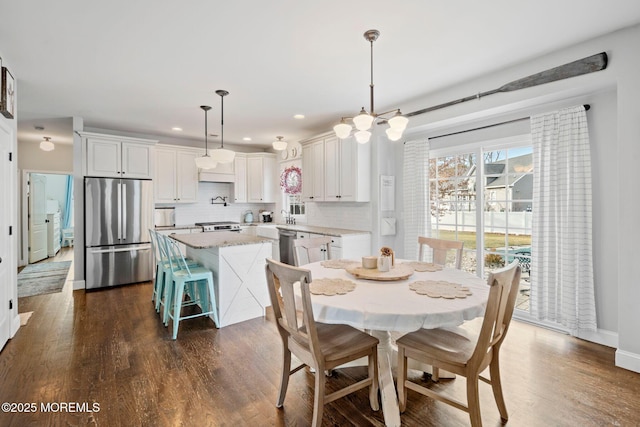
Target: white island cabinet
(237, 261)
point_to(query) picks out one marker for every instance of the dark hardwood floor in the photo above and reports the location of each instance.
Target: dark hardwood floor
(109, 347)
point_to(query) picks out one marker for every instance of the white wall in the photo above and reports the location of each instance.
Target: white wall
(614, 126)
(31, 157)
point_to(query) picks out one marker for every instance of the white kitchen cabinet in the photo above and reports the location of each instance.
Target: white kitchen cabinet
(176, 175)
(261, 169)
(119, 157)
(348, 246)
(53, 233)
(347, 170)
(313, 174)
(240, 182)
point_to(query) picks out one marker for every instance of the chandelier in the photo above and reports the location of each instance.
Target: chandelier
(206, 161)
(364, 120)
(222, 155)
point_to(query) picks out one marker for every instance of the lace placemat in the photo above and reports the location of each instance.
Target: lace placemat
(331, 286)
(423, 266)
(339, 263)
(439, 289)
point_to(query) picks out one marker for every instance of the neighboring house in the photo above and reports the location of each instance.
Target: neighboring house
(516, 183)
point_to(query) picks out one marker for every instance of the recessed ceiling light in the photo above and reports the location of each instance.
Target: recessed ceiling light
(299, 116)
(246, 138)
(176, 129)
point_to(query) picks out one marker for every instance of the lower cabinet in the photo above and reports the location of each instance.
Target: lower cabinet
(348, 246)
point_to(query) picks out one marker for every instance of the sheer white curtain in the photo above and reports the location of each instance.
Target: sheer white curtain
(562, 288)
(415, 194)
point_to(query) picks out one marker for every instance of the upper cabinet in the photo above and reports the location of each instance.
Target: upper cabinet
(347, 170)
(313, 171)
(119, 157)
(240, 182)
(335, 170)
(176, 177)
(261, 185)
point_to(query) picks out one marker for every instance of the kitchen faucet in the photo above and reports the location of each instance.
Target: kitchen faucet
(289, 219)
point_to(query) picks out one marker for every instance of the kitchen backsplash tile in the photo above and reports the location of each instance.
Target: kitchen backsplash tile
(204, 211)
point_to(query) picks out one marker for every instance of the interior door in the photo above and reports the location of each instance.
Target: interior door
(37, 218)
(6, 283)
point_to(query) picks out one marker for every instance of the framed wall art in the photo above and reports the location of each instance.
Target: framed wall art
(7, 96)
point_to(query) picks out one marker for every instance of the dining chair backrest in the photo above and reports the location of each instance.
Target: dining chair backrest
(310, 250)
(320, 346)
(440, 249)
(503, 292)
(294, 321)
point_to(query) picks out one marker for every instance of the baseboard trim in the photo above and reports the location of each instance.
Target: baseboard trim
(628, 360)
(601, 336)
(78, 284)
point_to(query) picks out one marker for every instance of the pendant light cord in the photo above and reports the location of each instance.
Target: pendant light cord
(371, 84)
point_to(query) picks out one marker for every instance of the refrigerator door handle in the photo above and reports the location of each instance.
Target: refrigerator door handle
(119, 211)
(129, 249)
(124, 210)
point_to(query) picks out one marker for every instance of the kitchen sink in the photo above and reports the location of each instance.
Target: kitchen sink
(269, 231)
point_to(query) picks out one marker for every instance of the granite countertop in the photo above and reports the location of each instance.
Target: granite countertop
(218, 239)
(327, 231)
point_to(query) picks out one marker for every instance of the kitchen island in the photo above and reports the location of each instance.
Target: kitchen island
(237, 262)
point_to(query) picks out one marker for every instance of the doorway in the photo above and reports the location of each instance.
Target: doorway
(47, 217)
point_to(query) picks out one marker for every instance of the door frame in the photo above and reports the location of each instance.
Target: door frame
(23, 252)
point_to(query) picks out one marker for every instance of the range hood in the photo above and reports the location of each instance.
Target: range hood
(224, 172)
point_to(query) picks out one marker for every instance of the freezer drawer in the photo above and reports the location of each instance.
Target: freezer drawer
(117, 265)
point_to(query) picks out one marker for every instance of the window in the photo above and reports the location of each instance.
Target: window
(294, 204)
(482, 194)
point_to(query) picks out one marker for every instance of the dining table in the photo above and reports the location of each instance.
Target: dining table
(385, 305)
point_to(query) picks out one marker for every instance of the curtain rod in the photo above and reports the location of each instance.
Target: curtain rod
(586, 108)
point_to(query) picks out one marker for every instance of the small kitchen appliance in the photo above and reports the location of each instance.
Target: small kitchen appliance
(266, 216)
(248, 216)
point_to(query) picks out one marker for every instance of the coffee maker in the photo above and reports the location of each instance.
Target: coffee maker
(266, 216)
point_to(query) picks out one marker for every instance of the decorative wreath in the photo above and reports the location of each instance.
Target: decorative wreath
(291, 180)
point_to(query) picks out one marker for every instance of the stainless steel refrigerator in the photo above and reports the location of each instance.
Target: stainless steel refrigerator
(117, 216)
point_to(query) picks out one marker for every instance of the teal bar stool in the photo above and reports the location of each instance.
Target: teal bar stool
(196, 282)
(163, 268)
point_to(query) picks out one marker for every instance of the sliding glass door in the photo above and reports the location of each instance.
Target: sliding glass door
(482, 195)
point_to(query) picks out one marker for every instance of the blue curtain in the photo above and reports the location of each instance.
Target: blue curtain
(68, 204)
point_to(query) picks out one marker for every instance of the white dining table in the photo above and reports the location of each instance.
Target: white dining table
(383, 307)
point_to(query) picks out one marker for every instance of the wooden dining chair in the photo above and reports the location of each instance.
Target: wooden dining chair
(310, 250)
(445, 349)
(440, 249)
(320, 346)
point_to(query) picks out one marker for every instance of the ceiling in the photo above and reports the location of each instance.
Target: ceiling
(145, 66)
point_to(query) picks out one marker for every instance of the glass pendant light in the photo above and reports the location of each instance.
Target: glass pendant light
(279, 144)
(47, 145)
(205, 162)
(362, 136)
(222, 155)
(342, 129)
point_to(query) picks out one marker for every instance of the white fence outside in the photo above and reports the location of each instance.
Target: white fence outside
(494, 222)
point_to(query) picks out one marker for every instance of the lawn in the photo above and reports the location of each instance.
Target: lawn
(491, 240)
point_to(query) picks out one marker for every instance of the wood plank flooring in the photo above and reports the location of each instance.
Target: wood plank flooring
(109, 347)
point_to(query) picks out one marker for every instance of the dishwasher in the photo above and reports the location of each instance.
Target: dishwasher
(286, 246)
